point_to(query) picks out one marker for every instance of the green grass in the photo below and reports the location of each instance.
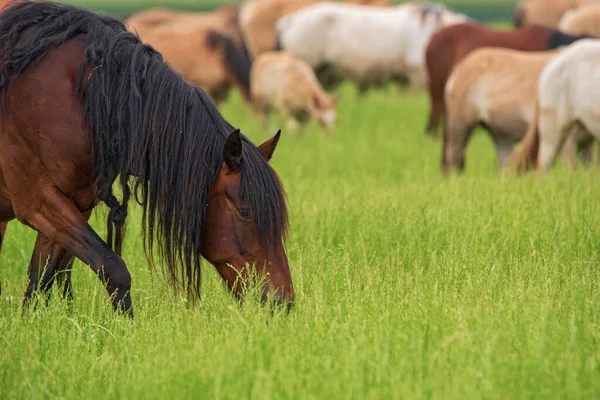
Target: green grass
(408, 285)
(482, 10)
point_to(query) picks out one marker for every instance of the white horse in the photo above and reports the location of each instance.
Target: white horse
(366, 44)
(566, 108)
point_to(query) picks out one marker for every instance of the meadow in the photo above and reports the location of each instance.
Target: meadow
(483, 10)
(409, 284)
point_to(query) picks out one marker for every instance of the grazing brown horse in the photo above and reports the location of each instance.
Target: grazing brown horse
(84, 104)
(450, 45)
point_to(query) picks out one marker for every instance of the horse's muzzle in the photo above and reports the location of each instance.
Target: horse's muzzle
(278, 301)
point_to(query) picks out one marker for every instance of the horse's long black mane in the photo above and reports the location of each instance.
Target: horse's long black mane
(144, 119)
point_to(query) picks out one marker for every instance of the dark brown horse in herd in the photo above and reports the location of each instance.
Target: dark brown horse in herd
(84, 104)
(450, 45)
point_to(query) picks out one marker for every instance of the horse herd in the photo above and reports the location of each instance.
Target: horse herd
(88, 101)
(289, 56)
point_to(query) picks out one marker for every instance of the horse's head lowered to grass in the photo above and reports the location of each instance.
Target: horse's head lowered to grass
(246, 220)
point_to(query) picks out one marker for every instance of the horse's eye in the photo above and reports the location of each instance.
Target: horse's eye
(244, 213)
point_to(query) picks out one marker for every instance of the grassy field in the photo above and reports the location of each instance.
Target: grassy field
(483, 10)
(409, 285)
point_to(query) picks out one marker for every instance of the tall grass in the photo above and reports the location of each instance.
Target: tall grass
(409, 285)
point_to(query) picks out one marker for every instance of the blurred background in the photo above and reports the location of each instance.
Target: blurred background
(488, 11)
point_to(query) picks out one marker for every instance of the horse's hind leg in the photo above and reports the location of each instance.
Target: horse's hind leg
(44, 260)
(552, 136)
(68, 228)
(63, 276)
(57, 268)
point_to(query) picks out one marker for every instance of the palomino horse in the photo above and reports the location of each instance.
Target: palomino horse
(368, 45)
(224, 20)
(566, 107)
(83, 102)
(205, 57)
(448, 46)
(287, 84)
(494, 88)
(545, 12)
(582, 21)
(259, 17)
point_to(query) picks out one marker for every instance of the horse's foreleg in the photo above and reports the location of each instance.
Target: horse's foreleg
(61, 221)
(2, 232)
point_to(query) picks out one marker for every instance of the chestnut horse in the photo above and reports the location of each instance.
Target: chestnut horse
(450, 45)
(83, 102)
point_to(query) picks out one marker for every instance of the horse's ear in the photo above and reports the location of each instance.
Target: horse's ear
(232, 150)
(268, 147)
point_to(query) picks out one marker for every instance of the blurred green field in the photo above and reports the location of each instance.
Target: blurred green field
(409, 285)
(483, 10)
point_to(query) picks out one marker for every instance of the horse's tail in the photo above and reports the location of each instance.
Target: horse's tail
(519, 18)
(235, 59)
(525, 157)
(558, 39)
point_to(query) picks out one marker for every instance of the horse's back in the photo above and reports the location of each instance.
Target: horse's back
(500, 84)
(186, 48)
(59, 147)
(582, 21)
(576, 70)
(258, 19)
(224, 19)
(280, 76)
(337, 31)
